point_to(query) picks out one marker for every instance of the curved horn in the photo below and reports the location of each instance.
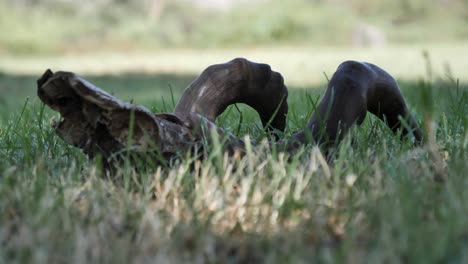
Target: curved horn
(354, 89)
(237, 81)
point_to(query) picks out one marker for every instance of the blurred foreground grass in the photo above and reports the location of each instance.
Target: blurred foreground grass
(375, 200)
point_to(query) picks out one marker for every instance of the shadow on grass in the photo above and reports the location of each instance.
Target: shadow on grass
(151, 90)
(160, 92)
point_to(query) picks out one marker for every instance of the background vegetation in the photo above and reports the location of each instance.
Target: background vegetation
(57, 26)
(373, 199)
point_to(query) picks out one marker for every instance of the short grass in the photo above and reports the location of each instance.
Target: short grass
(302, 66)
(375, 200)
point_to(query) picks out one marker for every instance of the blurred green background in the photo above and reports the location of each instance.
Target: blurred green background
(305, 40)
(63, 26)
(148, 51)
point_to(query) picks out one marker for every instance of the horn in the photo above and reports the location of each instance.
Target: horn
(237, 81)
(354, 89)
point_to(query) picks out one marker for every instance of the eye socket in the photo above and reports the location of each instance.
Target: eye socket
(64, 101)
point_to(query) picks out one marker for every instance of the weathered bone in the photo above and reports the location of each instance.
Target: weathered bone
(354, 89)
(97, 122)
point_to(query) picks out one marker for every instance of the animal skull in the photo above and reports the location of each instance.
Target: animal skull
(97, 122)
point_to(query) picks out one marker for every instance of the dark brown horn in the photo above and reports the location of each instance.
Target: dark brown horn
(237, 81)
(354, 89)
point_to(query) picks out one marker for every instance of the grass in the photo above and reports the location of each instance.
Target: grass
(302, 66)
(375, 200)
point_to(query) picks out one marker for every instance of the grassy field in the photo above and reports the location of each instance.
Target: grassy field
(376, 199)
(300, 65)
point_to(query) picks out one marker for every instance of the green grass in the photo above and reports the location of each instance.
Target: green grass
(302, 66)
(375, 200)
